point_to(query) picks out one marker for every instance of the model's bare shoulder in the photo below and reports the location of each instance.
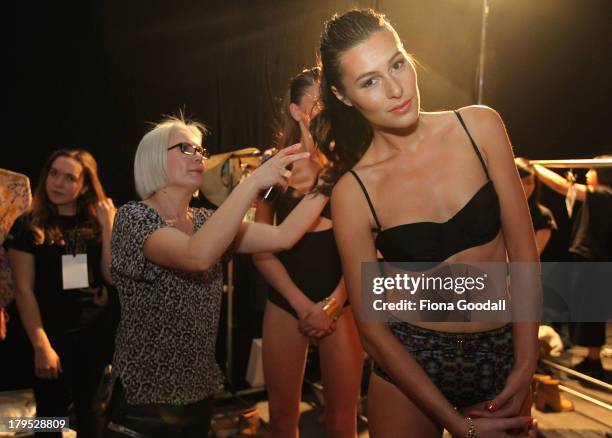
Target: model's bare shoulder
(487, 128)
(349, 201)
(480, 116)
(346, 187)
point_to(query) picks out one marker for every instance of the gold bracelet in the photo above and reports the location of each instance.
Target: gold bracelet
(471, 433)
(331, 307)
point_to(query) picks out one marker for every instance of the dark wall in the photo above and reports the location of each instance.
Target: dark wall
(91, 74)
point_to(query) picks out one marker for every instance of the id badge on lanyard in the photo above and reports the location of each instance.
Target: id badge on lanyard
(74, 271)
(74, 266)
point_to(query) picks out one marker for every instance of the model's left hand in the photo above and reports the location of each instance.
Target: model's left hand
(512, 398)
(316, 323)
(105, 211)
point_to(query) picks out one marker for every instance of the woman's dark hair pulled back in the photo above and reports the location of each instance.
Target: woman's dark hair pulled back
(288, 130)
(340, 131)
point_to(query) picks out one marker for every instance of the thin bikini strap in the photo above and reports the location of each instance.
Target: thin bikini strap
(365, 192)
(473, 144)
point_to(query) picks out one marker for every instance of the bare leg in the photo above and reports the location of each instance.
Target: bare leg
(392, 415)
(284, 360)
(341, 364)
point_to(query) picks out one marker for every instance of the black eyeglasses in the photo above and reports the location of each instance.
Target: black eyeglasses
(190, 149)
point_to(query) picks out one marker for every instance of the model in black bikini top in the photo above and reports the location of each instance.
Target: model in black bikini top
(477, 223)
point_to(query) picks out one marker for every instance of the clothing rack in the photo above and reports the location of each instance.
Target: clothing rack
(575, 163)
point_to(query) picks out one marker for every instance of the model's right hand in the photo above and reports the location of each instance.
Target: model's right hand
(316, 323)
(46, 363)
(506, 427)
(274, 171)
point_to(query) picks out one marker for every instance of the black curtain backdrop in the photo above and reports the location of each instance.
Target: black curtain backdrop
(93, 74)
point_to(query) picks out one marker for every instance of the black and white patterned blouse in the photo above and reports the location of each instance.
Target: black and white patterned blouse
(165, 345)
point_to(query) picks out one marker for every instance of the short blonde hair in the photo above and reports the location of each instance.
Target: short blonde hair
(151, 155)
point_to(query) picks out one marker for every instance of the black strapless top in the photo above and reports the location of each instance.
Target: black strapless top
(288, 200)
(477, 223)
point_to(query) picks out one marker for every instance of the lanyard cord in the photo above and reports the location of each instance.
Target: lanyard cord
(74, 238)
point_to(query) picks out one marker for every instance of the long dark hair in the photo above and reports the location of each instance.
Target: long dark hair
(288, 130)
(44, 213)
(340, 131)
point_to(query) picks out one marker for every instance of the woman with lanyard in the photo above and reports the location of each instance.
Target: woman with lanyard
(60, 257)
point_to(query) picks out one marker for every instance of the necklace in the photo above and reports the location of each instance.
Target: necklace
(181, 220)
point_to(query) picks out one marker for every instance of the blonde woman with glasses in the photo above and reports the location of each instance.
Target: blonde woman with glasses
(166, 264)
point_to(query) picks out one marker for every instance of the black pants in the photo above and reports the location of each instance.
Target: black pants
(156, 420)
(82, 358)
(587, 334)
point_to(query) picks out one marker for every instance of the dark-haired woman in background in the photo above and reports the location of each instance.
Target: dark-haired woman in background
(543, 224)
(435, 187)
(307, 298)
(542, 218)
(60, 258)
(591, 242)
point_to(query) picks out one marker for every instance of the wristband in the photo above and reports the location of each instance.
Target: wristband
(331, 307)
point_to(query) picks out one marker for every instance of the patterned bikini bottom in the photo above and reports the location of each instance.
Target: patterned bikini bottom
(467, 367)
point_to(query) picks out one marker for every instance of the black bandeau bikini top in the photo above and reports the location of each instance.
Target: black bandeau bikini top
(477, 223)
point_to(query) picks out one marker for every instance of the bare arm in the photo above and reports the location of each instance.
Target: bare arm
(520, 244)
(259, 237)
(352, 228)
(273, 270)
(47, 362)
(542, 238)
(175, 249)
(559, 184)
(22, 267)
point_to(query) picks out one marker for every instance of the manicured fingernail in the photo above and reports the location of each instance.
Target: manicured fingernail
(491, 406)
